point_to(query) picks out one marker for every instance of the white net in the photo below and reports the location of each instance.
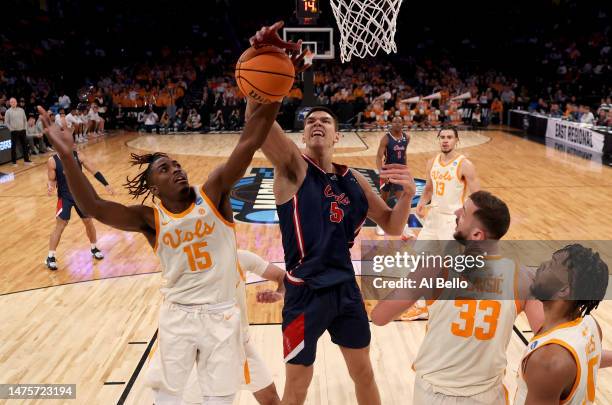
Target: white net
(366, 26)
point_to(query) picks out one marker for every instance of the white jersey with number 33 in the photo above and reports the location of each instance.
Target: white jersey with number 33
(581, 339)
(464, 350)
(449, 191)
(198, 255)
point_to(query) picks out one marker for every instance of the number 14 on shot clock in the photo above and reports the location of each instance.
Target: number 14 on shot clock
(307, 11)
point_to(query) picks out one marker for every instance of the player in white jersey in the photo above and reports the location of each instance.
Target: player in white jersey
(451, 177)
(560, 363)
(192, 232)
(462, 359)
(261, 383)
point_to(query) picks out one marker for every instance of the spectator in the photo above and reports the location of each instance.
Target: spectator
(35, 137)
(587, 116)
(64, 101)
(217, 123)
(234, 120)
(164, 122)
(497, 111)
(95, 122)
(150, 120)
(16, 121)
(194, 121)
(555, 111)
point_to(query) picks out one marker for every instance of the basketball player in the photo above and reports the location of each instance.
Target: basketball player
(65, 203)
(560, 363)
(192, 232)
(474, 332)
(321, 208)
(450, 178)
(450, 175)
(392, 149)
(261, 383)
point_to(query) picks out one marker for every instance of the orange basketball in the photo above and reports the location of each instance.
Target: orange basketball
(265, 74)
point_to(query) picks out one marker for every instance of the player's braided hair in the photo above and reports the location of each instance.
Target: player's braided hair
(139, 185)
(588, 277)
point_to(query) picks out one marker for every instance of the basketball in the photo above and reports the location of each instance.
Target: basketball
(265, 74)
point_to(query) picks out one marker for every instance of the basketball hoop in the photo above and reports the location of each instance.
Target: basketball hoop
(366, 26)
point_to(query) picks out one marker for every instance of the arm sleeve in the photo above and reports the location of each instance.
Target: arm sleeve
(251, 262)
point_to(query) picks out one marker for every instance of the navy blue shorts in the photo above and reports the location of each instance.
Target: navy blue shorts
(64, 207)
(308, 313)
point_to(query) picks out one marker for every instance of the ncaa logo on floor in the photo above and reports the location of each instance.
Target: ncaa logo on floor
(252, 198)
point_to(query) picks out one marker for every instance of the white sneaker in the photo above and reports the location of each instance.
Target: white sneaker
(379, 231)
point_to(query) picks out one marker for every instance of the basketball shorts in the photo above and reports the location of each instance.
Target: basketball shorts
(64, 207)
(308, 313)
(390, 187)
(260, 377)
(438, 226)
(207, 337)
(425, 393)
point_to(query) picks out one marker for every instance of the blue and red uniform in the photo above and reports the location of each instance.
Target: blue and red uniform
(395, 153)
(318, 226)
(65, 200)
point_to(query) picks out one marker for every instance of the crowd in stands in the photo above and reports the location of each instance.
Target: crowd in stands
(190, 87)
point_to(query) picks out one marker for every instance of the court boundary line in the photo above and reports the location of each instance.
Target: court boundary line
(141, 362)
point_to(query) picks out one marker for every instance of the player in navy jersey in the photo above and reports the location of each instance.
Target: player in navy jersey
(65, 203)
(321, 208)
(392, 149)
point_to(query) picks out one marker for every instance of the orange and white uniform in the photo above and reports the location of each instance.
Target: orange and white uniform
(462, 359)
(199, 321)
(449, 193)
(581, 339)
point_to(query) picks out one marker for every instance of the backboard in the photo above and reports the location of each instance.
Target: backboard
(320, 40)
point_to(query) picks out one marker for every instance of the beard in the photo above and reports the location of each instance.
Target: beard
(460, 237)
(544, 291)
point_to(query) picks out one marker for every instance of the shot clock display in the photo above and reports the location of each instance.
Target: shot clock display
(308, 11)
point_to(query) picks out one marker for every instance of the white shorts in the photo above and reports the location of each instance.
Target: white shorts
(206, 337)
(438, 226)
(259, 374)
(425, 393)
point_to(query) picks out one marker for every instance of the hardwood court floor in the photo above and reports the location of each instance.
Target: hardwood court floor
(96, 330)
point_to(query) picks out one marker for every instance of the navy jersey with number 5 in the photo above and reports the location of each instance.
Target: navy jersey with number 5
(319, 225)
(396, 149)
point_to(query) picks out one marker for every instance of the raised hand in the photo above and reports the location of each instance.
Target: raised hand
(60, 138)
(269, 36)
(298, 60)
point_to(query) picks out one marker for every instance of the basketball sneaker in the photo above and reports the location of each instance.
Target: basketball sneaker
(97, 254)
(51, 263)
(379, 231)
(415, 312)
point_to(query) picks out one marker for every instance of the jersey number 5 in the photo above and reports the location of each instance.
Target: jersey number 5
(199, 259)
(336, 213)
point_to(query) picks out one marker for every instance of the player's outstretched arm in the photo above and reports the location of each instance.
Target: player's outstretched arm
(89, 166)
(257, 127)
(392, 221)
(138, 218)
